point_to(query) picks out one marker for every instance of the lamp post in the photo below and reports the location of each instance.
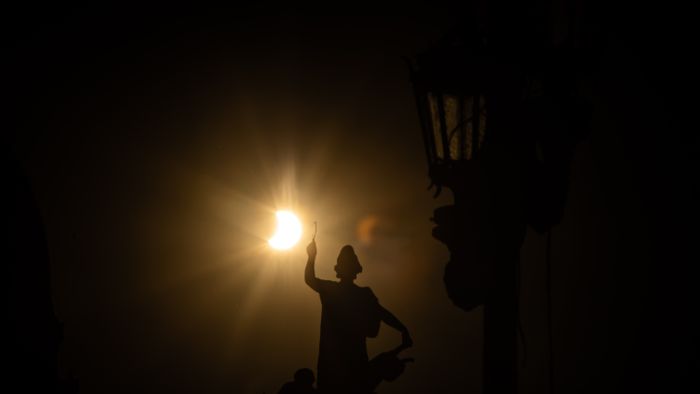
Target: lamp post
(465, 103)
(499, 132)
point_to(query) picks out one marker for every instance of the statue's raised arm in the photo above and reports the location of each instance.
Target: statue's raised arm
(310, 270)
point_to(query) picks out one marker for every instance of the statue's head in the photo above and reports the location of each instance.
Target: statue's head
(348, 265)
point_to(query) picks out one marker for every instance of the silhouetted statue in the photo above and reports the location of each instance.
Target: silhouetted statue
(349, 315)
(303, 383)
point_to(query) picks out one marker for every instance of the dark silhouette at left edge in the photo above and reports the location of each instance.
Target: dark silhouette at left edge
(34, 333)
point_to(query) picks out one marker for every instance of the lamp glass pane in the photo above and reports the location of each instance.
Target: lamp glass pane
(436, 124)
(469, 123)
(459, 123)
(454, 126)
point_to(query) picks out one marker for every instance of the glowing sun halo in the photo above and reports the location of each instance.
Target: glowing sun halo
(288, 231)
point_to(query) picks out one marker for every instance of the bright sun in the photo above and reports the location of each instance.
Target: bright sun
(288, 231)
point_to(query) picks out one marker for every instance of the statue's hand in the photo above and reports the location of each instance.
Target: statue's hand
(311, 250)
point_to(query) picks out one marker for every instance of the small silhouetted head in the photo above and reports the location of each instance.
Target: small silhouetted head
(304, 376)
(348, 265)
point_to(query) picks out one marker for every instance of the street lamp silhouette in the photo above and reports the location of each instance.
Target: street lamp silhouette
(499, 132)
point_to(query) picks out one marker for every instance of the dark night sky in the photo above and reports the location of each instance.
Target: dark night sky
(158, 142)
